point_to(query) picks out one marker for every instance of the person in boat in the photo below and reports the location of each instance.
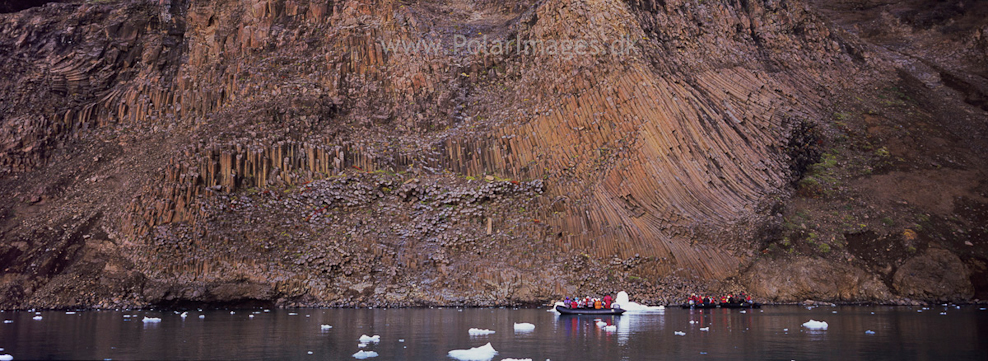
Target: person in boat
(730, 298)
(596, 304)
(574, 304)
(608, 300)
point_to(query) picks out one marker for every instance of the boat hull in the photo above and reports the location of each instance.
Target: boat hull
(699, 306)
(588, 311)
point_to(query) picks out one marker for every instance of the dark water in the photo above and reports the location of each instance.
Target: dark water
(901, 333)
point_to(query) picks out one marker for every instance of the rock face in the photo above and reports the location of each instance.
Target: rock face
(299, 151)
(936, 274)
(814, 279)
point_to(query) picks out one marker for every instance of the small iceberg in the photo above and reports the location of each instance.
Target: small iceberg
(692, 322)
(632, 307)
(185, 314)
(70, 313)
(321, 327)
(517, 359)
(524, 327)
(6, 357)
(816, 325)
(151, 319)
(705, 329)
(479, 332)
(679, 333)
(250, 316)
(202, 316)
(481, 353)
(601, 324)
(360, 355)
(610, 328)
(8, 321)
(366, 339)
(232, 313)
(37, 318)
(869, 332)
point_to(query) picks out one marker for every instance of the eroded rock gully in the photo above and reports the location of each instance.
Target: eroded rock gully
(286, 152)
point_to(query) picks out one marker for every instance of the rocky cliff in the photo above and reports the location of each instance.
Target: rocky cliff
(383, 152)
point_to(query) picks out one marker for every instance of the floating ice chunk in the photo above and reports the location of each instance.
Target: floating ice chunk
(70, 313)
(743, 311)
(361, 345)
(481, 353)
(37, 313)
(250, 316)
(401, 340)
(310, 352)
(292, 314)
(6, 357)
(185, 314)
(267, 311)
(151, 319)
(325, 327)
(816, 325)
(479, 332)
(37, 318)
(705, 328)
(869, 332)
(601, 323)
(8, 321)
(232, 313)
(365, 338)
(517, 359)
(202, 316)
(680, 333)
(834, 312)
(360, 355)
(126, 316)
(524, 327)
(623, 302)
(610, 328)
(943, 313)
(692, 322)
(785, 330)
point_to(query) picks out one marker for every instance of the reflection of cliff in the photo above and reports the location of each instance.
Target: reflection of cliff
(223, 151)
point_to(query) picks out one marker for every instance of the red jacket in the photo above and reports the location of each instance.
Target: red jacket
(607, 301)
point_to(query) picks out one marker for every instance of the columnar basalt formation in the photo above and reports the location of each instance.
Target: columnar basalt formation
(343, 152)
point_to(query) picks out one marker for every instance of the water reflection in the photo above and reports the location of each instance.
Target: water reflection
(428, 334)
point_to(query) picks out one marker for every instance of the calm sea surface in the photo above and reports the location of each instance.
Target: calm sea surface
(774, 332)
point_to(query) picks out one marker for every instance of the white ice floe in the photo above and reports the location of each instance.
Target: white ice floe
(524, 327)
(705, 328)
(365, 338)
(151, 319)
(70, 313)
(310, 352)
(943, 313)
(610, 328)
(601, 323)
(325, 327)
(202, 316)
(360, 355)
(8, 321)
(479, 332)
(481, 353)
(816, 325)
(869, 332)
(743, 311)
(679, 333)
(692, 322)
(292, 314)
(401, 340)
(361, 345)
(37, 318)
(785, 330)
(233, 312)
(250, 316)
(185, 314)
(517, 359)
(6, 357)
(633, 307)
